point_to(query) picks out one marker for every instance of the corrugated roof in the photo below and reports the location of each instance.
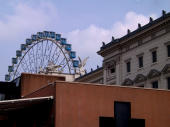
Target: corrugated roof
(10, 105)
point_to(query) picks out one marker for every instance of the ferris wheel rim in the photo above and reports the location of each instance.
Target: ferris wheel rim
(33, 55)
(39, 41)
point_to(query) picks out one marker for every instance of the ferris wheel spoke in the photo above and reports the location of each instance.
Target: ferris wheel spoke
(38, 56)
(63, 61)
(50, 51)
(44, 54)
(55, 51)
(42, 51)
(34, 60)
(17, 74)
(63, 66)
(58, 56)
(30, 62)
(26, 64)
(23, 67)
(71, 65)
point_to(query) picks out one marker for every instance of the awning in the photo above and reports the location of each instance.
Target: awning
(10, 105)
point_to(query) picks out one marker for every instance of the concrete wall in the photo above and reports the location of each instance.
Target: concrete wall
(81, 105)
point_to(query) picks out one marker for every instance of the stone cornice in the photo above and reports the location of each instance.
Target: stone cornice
(166, 69)
(132, 48)
(140, 78)
(153, 73)
(135, 34)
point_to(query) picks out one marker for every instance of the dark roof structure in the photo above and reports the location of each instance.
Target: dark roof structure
(91, 72)
(10, 90)
(17, 104)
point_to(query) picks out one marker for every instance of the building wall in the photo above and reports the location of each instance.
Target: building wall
(33, 82)
(153, 36)
(144, 49)
(48, 90)
(142, 43)
(81, 105)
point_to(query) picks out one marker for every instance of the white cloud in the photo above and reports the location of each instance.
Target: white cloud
(27, 19)
(130, 22)
(15, 28)
(88, 41)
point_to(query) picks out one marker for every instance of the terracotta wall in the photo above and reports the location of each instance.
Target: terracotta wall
(48, 90)
(32, 82)
(81, 105)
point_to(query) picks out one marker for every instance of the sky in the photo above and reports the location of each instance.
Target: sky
(85, 23)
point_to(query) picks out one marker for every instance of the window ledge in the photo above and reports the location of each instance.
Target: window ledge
(168, 58)
(139, 69)
(128, 73)
(154, 63)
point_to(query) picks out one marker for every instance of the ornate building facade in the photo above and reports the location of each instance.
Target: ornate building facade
(140, 58)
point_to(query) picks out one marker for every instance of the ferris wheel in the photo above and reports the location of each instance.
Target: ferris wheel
(45, 52)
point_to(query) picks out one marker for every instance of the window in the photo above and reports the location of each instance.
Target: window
(155, 84)
(112, 70)
(128, 66)
(142, 85)
(2, 96)
(140, 61)
(154, 56)
(168, 82)
(168, 50)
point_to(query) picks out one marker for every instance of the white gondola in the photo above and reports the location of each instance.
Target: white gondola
(75, 63)
(52, 34)
(68, 47)
(40, 34)
(46, 34)
(72, 54)
(23, 47)
(34, 37)
(14, 60)
(18, 53)
(7, 77)
(63, 41)
(10, 68)
(58, 37)
(28, 41)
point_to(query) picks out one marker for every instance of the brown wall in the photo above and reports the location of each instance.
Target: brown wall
(81, 105)
(48, 90)
(32, 82)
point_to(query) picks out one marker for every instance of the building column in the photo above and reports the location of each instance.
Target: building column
(163, 82)
(118, 69)
(104, 74)
(147, 83)
(118, 73)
